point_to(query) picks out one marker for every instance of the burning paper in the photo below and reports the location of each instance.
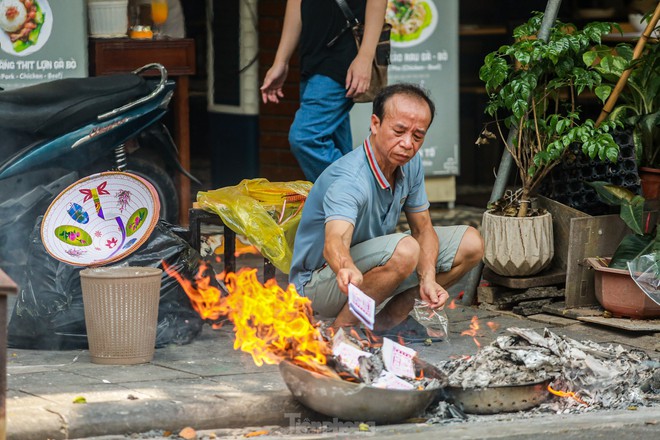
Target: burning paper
(270, 323)
(275, 324)
(391, 381)
(346, 351)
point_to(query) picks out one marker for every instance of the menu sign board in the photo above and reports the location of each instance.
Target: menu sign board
(42, 40)
(424, 51)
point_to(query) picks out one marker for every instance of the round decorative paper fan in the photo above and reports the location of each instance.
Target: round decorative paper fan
(100, 219)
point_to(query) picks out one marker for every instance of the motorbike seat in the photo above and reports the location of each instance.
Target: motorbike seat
(57, 107)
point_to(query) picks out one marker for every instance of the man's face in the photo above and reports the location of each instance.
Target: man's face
(400, 134)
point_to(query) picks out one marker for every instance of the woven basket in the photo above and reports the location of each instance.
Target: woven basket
(121, 313)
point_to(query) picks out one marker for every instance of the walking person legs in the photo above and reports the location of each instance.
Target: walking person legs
(321, 130)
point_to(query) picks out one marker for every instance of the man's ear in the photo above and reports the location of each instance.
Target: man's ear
(375, 124)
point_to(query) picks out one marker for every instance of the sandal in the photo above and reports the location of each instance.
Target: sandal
(409, 331)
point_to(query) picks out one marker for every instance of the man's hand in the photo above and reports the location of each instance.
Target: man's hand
(271, 90)
(358, 76)
(434, 294)
(348, 275)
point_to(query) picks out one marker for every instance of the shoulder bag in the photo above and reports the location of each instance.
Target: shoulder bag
(381, 57)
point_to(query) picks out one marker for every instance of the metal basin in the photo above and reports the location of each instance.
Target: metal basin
(497, 399)
(357, 402)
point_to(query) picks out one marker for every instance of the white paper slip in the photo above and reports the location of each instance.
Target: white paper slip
(362, 306)
(398, 359)
(392, 382)
(349, 355)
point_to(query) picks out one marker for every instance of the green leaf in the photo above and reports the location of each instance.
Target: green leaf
(632, 214)
(523, 57)
(612, 153)
(630, 248)
(625, 50)
(519, 108)
(611, 194)
(589, 57)
(603, 92)
(562, 124)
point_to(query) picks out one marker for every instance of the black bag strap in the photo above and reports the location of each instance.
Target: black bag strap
(347, 12)
(350, 21)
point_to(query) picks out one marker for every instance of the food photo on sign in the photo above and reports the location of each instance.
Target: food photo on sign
(413, 21)
(41, 41)
(26, 25)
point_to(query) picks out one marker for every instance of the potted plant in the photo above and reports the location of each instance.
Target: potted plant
(533, 87)
(639, 105)
(614, 286)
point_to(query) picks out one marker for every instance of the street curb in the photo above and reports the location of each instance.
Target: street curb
(598, 424)
(235, 410)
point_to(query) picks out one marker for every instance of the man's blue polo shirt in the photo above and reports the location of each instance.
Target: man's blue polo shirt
(354, 189)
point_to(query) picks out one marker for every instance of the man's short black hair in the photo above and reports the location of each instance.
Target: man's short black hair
(407, 89)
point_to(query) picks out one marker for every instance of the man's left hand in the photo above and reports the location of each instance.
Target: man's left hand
(434, 294)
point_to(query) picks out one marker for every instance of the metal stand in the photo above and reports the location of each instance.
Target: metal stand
(504, 170)
(198, 216)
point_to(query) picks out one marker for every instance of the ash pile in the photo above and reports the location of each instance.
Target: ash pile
(583, 375)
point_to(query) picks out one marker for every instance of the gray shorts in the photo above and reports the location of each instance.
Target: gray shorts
(328, 300)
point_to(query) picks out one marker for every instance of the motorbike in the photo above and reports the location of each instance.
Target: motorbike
(53, 133)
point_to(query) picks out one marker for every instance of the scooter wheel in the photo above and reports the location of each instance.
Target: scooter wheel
(162, 182)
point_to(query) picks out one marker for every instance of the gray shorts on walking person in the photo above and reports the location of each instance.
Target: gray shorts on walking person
(323, 291)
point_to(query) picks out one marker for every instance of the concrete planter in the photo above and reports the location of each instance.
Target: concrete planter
(517, 246)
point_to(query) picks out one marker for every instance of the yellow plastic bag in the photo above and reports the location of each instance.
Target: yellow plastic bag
(266, 213)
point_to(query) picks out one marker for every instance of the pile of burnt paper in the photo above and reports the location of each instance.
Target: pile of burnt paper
(603, 376)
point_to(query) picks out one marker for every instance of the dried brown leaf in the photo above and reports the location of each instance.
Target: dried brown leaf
(256, 433)
(188, 433)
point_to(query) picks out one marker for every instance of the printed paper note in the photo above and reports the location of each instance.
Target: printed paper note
(362, 306)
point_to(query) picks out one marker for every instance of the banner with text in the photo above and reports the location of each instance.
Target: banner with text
(425, 51)
(42, 40)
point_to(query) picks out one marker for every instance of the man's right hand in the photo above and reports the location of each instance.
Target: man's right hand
(271, 90)
(348, 275)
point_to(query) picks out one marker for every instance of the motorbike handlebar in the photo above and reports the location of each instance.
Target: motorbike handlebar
(161, 85)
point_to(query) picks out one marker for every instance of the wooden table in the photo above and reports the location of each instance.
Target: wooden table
(109, 56)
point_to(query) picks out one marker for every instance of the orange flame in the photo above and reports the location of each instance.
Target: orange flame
(567, 394)
(204, 298)
(493, 326)
(241, 247)
(474, 328)
(270, 323)
(247, 249)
